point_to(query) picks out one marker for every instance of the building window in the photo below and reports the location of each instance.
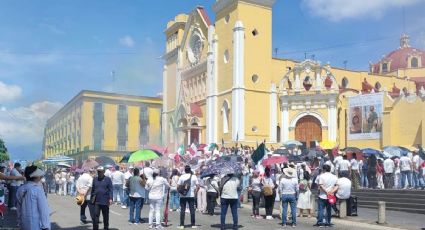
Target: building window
(226, 56)
(122, 128)
(344, 83)
(254, 78)
(98, 120)
(227, 19)
(225, 113)
(254, 32)
(144, 125)
(414, 62)
(384, 67)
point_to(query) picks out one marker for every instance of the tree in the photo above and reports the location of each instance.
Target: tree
(4, 156)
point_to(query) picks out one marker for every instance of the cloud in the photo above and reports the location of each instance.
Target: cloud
(336, 10)
(25, 125)
(127, 41)
(9, 92)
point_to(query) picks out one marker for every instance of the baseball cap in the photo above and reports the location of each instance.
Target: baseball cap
(100, 168)
(37, 173)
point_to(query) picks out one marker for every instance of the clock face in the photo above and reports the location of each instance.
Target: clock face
(195, 48)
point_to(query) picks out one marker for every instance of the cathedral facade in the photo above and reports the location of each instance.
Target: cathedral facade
(222, 84)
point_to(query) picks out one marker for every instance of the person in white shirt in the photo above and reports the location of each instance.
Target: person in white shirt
(148, 172)
(229, 197)
(337, 160)
(14, 185)
(127, 176)
(343, 191)
(156, 186)
(416, 178)
(83, 185)
(288, 187)
(63, 184)
(355, 172)
(188, 198)
(118, 182)
(389, 168)
(327, 182)
(212, 191)
(344, 167)
(406, 171)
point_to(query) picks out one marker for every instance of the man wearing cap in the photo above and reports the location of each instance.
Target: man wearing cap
(127, 176)
(32, 206)
(327, 181)
(101, 197)
(83, 185)
(289, 190)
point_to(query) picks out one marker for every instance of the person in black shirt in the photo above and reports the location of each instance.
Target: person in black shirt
(101, 197)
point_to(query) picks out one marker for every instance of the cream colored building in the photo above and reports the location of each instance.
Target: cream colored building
(103, 124)
(220, 82)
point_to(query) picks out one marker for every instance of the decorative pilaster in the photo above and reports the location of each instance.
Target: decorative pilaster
(273, 113)
(211, 86)
(318, 79)
(284, 129)
(332, 121)
(238, 90)
(297, 81)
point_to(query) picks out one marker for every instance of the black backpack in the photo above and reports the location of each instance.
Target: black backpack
(184, 188)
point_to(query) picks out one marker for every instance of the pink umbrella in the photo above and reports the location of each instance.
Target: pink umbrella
(274, 160)
(89, 164)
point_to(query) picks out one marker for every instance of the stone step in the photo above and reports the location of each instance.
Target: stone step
(410, 210)
(418, 207)
(404, 200)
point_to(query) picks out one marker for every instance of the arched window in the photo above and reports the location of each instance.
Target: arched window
(344, 83)
(414, 62)
(384, 67)
(377, 86)
(225, 115)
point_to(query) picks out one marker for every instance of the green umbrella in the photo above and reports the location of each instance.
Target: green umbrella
(142, 155)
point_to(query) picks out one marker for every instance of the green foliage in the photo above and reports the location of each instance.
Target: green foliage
(4, 156)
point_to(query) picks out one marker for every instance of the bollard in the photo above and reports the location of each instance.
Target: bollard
(245, 196)
(343, 209)
(381, 212)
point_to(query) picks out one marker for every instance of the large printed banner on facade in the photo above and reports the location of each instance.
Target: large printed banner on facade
(365, 116)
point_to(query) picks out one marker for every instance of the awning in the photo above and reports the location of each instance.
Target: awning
(195, 110)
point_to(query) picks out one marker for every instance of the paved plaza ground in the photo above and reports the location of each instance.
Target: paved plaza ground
(65, 215)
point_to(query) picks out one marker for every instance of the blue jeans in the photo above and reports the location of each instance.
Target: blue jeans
(323, 205)
(12, 196)
(245, 181)
(405, 174)
(288, 198)
(225, 203)
(71, 188)
(174, 200)
(118, 192)
(239, 198)
(363, 180)
(136, 204)
(126, 201)
(417, 179)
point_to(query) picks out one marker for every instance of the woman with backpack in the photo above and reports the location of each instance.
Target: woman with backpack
(304, 198)
(174, 194)
(269, 191)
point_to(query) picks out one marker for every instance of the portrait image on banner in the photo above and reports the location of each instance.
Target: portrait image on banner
(365, 116)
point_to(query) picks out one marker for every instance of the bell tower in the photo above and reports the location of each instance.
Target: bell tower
(244, 29)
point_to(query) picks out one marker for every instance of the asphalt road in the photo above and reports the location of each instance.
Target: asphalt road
(65, 215)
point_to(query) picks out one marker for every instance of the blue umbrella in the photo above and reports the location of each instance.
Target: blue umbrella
(221, 167)
(370, 151)
(292, 143)
(392, 151)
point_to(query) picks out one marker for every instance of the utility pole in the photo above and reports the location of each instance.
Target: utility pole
(345, 64)
(275, 51)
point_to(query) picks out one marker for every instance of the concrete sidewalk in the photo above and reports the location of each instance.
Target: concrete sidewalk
(9, 221)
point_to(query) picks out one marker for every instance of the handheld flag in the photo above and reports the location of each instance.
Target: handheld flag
(180, 150)
(259, 153)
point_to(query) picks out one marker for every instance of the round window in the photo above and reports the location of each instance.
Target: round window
(226, 56)
(254, 78)
(254, 128)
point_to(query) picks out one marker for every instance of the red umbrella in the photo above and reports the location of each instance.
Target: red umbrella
(274, 160)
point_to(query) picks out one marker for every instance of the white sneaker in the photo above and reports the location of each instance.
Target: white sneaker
(13, 208)
(194, 226)
(150, 226)
(123, 207)
(269, 218)
(180, 227)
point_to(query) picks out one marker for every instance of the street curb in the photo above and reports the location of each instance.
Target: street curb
(358, 223)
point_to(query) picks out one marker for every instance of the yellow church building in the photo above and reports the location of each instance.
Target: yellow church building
(220, 82)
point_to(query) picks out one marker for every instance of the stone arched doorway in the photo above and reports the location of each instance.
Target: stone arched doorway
(308, 130)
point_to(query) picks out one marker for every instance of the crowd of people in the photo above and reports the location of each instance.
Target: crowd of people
(305, 186)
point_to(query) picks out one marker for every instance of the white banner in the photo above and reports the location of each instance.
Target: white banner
(365, 116)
